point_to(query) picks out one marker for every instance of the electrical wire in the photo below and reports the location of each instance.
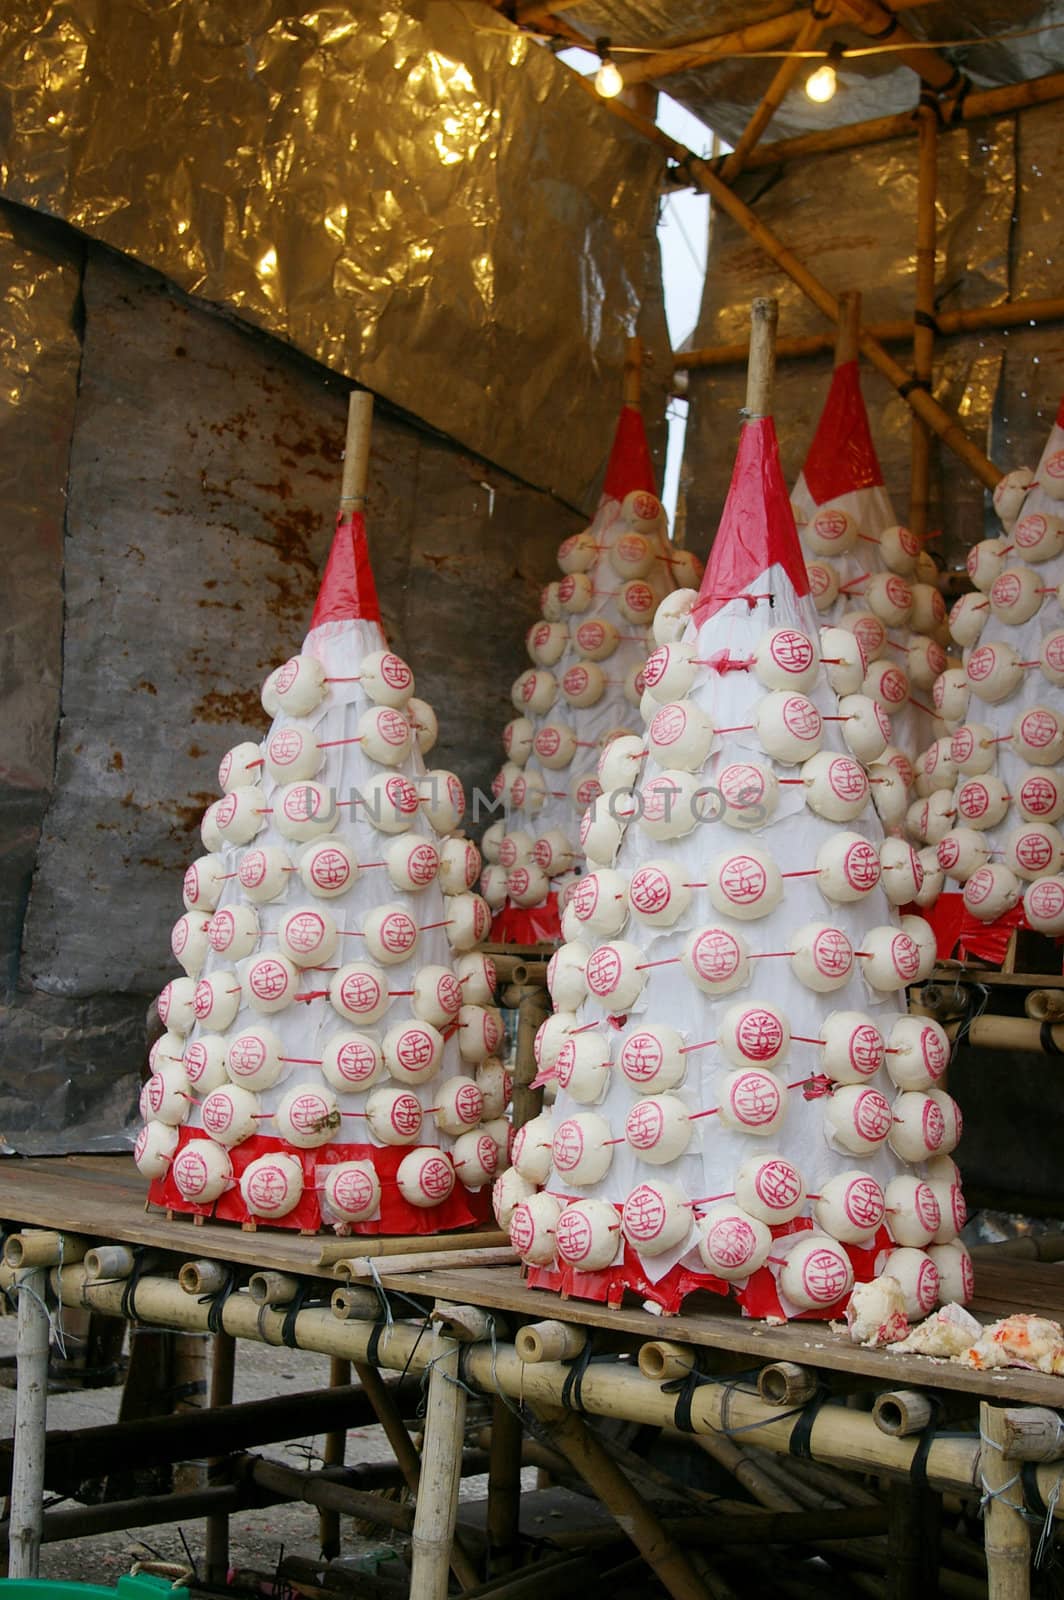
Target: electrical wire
(800, 55)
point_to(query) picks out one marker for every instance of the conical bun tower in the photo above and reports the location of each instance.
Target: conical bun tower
(742, 1104)
(994, 812)
(867, 573)
(583, 687)
(328, 1057)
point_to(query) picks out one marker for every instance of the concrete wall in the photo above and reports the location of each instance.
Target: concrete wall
(171, 488)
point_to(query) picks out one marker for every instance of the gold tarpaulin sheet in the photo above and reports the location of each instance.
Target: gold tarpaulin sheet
(417, 196)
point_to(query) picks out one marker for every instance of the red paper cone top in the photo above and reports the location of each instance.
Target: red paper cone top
(842, 457)
(347, 589)
(757, 528)
(630, 466)
(1060, 415)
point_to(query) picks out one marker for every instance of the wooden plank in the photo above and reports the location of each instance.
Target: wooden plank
(104, 1199)
(810, 1344)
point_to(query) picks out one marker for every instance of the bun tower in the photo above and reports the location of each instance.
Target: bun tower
(328, 1058)
(584, 685)
(867, 573)
(743, 1104)
(996, 794)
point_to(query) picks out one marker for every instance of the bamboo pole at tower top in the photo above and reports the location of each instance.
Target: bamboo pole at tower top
(848, 333)
(924, 314)
(761, 369)
(356, 450)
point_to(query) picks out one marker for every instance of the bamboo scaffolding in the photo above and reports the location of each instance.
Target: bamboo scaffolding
(839, 1437)
(441, 1454)
(979, 104)
(705, 179)
(568, 1433)
(717, 47)
(1008, 1558)
(924, 314)
(216, 1533)
(921, 57)
(808, 34)
(1010, 314)
(31, 1421)
(333, 1456)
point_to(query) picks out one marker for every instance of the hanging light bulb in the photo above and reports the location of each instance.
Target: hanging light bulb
(820, 85)
(608, 80)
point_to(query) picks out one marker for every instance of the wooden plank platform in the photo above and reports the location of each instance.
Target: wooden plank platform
(103, 1197)
(809, 1343)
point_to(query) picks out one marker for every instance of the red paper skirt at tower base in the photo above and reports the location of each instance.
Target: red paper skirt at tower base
(523, 925)
(757, 1296)
(462, 1209)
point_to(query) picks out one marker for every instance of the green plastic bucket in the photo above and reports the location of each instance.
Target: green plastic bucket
(145, 1586)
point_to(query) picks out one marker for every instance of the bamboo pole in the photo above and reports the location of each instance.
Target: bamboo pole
(839, 1436)
(761, 372)
(631, 389)
(765, 1490)
(932, 413)
(202, 1277)
(504, 1488)
(977, 106)
(785, 1383)
(397, 1435)
(364, 1269)
(899, 1412)
(527, 1102)
(736, 42)
(216, 1531)
(922, 58)
(356, 451)
(1009, 1033)
(663, 1360)
(354, 1302)
(268, 1288)
(550, 1341)
(1031, 1433)
(848, 332)
(334, 1250)
(924, 313)
(808, 34)
(568, 1433)
(1010, 314)
(441, 1458)
(31, 1424)
(42, 1247)
(706, 179)
(317, 1489)
(108, 1261)
(333, 1453)
(1006, 1540)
